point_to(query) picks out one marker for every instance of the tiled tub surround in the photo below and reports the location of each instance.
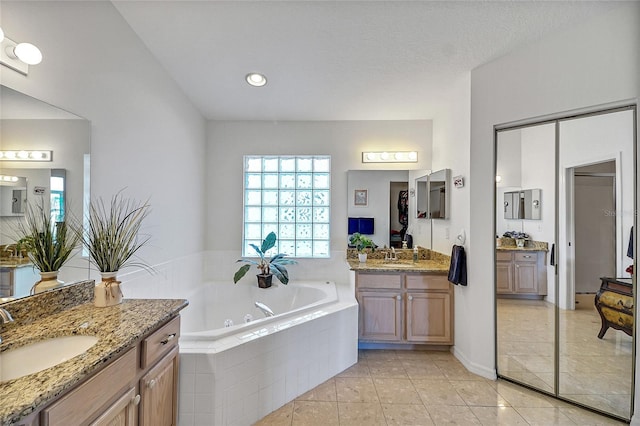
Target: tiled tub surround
(240, 378)
(70, 311)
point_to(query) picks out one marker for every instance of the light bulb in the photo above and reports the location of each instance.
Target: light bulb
(370, 156)
(384, 155)
(498, 178)
(413, 156)
(256, 79)
(23, 155)
(398, 156)
(10, 155)
(28, 53)
(1, 35)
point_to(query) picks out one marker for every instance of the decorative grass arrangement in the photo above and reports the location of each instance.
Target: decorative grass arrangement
(112, 237)
(48, 244)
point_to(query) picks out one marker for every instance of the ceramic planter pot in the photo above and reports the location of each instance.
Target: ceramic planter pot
(264, 281)
(48, 280)
(362, 257)
(107, 292)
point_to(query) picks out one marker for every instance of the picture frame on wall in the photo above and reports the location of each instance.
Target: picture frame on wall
(361, 197)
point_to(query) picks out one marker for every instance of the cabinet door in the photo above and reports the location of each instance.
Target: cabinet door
(504, 278)
(429, 318)
(526, 277)
(158, 389)
(123, 412)
(380, 315)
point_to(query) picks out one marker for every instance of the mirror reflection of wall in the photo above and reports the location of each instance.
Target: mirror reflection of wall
(13, 195)
(30, 124)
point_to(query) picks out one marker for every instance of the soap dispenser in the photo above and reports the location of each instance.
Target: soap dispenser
(415, 254)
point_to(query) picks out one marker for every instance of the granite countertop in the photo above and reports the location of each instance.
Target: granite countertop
(514, 248)
(14, 262)
(117, 328)
(379, 265)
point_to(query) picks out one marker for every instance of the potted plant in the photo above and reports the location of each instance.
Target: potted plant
(268, 268)
(48, 245)
(112, 239)
(361, 242)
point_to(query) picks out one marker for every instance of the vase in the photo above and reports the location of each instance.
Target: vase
(48, 280)
(264, 281)
(107, 292)
(362, 257)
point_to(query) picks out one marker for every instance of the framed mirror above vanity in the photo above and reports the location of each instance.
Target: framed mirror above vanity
(60, 184)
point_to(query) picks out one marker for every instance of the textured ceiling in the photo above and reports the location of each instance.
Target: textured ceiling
(336, 60)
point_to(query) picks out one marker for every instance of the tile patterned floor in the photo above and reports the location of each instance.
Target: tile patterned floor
(423, 388)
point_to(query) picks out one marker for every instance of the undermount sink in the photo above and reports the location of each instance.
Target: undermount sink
(399, 265)
(41, 355)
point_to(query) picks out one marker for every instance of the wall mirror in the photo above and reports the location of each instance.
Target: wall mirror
(61, 185)
(524, 204)
(389, 203)
(422, 197)
(13, 195)
(438, 187)
(555, 296)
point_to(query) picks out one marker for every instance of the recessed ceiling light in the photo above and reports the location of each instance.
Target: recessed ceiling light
(256, 79)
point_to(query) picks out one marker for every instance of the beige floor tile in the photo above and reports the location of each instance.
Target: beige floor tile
(587, 418)
(417, 355)
(281, 417)
(491, 416)
(360, 414)
(323, 392)
(452, 415)
(396, 391)
(310, 413)
(544, 416)
(437, 392)
(478, 393)
(387, 369)
(423, 370)
(380, 355)
(518, 396)
(356, 389)
(406, 415)
(358, 370)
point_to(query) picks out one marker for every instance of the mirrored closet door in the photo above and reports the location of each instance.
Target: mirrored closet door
(565, 202)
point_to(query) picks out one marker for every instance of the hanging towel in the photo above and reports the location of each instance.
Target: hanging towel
(458, 266)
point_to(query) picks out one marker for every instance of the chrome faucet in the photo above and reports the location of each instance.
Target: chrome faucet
(390, 256)
(5, 317)
(265, 309)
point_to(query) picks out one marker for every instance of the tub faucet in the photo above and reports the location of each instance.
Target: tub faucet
(5, 317)
(265, 309)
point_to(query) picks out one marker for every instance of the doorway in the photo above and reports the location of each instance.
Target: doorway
(398, 212)
(594, 219)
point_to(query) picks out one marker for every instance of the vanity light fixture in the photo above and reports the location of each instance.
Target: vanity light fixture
(390, 157)
(6, 178)
(18, 56)
(256, 79)
(23, 155)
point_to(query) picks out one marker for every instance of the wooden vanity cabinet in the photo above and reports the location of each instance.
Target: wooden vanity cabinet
(405, 308)
(521, 273)
(140, 387)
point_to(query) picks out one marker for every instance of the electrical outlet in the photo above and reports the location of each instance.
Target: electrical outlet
(446, 233)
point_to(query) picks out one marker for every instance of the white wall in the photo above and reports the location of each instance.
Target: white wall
(590, 64)
(145, 134)
(228, 141)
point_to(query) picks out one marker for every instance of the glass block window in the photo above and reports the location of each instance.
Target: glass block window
(291, 196)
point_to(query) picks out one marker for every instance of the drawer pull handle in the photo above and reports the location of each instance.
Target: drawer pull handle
(398, 297)
(136, 399)
(527, 256)
(410, 297)
(152, 383)
(169, 338)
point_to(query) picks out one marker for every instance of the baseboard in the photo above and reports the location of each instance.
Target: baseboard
(489, 373)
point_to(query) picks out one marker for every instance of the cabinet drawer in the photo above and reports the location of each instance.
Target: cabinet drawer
(427, 282)
(379, 280)
(503, 256)
(79, 405)
(531, 256)
(160, 342)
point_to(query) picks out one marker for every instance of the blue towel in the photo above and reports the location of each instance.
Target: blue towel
(458, 266)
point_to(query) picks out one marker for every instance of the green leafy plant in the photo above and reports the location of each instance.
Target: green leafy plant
(48, 244)
(275, 265)
(112, 237)
(361, 242)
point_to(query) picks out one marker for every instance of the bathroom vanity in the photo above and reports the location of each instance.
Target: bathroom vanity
(128, 377)
(404, 303)
(521, 272)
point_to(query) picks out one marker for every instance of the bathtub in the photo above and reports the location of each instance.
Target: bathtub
(222, 309)
(238, 374)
